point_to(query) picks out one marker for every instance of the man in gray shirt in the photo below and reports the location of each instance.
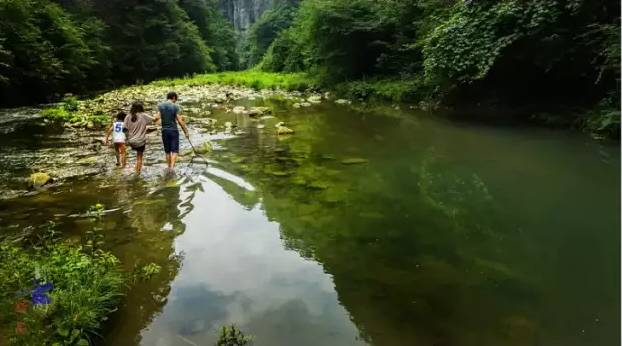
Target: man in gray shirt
(170, 115)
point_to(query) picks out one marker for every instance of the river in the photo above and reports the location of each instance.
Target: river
(383, 227)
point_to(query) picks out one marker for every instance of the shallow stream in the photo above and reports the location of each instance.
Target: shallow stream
(385, 227)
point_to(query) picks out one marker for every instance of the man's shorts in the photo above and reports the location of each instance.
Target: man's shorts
(170, 139)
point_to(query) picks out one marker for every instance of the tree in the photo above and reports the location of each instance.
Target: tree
(44, 50)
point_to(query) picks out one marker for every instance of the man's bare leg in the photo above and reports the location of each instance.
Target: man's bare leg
(173, 159)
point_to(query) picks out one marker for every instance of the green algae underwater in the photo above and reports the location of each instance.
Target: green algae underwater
(383, 227)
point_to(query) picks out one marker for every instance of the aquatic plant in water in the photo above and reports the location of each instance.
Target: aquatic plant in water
(232, 336)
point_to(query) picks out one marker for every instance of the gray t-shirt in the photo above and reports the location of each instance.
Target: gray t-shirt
(137, 130)
(168, 114)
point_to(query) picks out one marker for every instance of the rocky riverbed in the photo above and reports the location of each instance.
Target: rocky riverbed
(49, 152)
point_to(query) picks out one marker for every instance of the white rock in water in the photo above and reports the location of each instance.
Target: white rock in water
(296, 105)
(305, 104)
(315, 99)
(343, 102)
(239, 109)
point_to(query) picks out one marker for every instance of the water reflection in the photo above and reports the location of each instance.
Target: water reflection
(147, 236)
(235, 270)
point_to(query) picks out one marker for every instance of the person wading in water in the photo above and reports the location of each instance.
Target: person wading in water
(136, 125)
(170, 115)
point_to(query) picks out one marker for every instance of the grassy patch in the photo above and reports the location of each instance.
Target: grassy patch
(76, 113)
(85, 288)
(251, 78)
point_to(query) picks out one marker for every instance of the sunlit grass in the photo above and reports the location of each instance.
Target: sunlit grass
(251, 78)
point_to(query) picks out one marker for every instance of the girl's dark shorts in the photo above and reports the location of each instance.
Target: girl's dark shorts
(170, 139)
(140, 149)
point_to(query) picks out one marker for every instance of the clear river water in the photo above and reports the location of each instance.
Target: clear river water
(385, 227)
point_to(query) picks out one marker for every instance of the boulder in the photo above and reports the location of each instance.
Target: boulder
(204, 148)
(296, 105)
(305, 104)
(37, 180)
(343, 102)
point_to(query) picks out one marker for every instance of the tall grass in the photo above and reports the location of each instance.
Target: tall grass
(250, 78)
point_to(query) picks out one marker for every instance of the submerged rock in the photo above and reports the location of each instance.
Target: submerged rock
(259, 111)
(204, 148)
(354, 161)
(89, 160)
(305, 104)
(296, 105)
(239, 109)
(343, 102)
(315, 99)
(281, 129)
(38, 179)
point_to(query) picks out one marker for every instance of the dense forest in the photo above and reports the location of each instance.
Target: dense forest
(48, 47)
(548, 55)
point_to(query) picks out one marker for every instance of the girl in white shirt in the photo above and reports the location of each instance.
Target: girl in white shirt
(118, 138)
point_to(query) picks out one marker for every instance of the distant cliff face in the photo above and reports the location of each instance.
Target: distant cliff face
(243, 13)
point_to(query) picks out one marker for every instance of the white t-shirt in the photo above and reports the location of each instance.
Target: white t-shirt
(117, 132)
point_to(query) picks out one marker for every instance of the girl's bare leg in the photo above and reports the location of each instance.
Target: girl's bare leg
(123, 156)
(117, 154)
(139, 161)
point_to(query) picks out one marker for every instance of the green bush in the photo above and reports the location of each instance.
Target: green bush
(402, 90)
(467, 45)
(604, 120)
(86, 289)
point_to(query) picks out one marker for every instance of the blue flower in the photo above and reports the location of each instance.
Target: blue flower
(39, 296)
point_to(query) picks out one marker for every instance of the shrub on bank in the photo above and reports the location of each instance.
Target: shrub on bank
(56, 294)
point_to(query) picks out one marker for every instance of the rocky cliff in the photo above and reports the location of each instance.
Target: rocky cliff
(243, 13)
